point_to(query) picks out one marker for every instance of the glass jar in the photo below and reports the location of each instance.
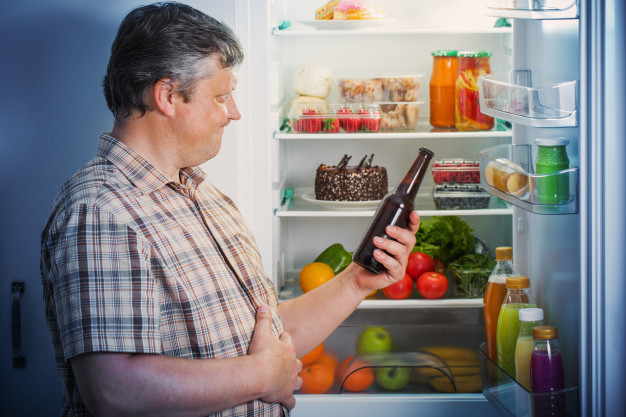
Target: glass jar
(442, 82)
(472, 64)
(551, 158)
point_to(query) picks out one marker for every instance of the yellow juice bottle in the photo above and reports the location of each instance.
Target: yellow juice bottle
(529, 318)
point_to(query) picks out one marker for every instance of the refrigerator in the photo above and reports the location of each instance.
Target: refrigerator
(55, 57)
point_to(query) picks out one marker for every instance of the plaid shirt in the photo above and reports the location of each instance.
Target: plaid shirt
(133, 262)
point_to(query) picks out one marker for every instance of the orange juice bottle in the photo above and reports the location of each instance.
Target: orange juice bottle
(494, 296)
(442, 82)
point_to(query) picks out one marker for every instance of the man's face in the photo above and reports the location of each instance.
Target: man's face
(200, 125)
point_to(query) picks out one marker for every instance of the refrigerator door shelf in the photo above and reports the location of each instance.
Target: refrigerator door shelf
(529, 98)
(507, 172)
(512, 399)
(534, 9)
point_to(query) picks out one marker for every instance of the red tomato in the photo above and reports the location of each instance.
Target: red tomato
(432, 285)
(401, 289)
(439, 266)
(419, 262)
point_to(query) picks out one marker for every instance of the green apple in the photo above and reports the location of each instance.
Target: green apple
(373, 339)
(393, 378)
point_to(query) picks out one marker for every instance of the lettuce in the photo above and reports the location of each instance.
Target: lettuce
(446, 238)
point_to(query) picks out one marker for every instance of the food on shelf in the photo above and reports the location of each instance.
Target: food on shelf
(472, 64)
(507, 177)
(354, 375)
(313, 275)
(326, 12)
(357, 10)
(418, 263)
(301, 103)
(432, 285)
(444, 237)
(379, 89)
(335, 256)
(401, 289)
(470, 274)
(312, 117)
(460, 196)
(399, 116)
(456, 170)
(362, 182)
(312, 80)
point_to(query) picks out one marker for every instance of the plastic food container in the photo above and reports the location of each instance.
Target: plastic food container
(468, 283)
(456, 170)
(370, 90)
(399, 117)
(335, 118)
(460, 196)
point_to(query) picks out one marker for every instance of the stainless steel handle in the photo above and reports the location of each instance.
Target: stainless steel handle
(19, 361)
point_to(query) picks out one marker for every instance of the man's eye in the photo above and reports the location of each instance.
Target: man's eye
(223, 98)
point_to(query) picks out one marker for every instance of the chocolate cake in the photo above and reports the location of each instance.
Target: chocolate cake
(351, 183)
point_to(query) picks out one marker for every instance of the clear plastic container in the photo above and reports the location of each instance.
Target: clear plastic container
(460, 196)
(397, 88)
(399, 117)
(335, 118)
(456, 170)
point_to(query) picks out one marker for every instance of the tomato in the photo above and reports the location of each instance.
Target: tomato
(432, 285)
(419, 262)
(401, 289)
(439, 266)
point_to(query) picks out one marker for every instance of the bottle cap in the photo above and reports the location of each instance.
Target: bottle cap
(427, 152)
(504, 253)
(530, 314)
(445, 52)
(552, 141)
(545, 332)
(474, 54)
(517, 282)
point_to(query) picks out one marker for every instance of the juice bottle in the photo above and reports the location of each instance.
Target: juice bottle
(472, 64)
(517, 297)
(442, 81)
(552, 157)
(495, 291)
(393, 210)
(529, 318)
(546, 373)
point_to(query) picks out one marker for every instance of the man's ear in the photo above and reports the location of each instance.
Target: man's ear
(164, 95)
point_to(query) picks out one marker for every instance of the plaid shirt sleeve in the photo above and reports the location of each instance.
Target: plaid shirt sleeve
(101, 279)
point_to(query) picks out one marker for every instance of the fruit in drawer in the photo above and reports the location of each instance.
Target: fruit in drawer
(317, 378)
(393, 378)
(354, 375)
(313, 355)
(463, 384)
(458, 361)
(373, 339)
(314, 274)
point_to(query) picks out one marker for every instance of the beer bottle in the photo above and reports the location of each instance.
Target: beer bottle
(393, 210)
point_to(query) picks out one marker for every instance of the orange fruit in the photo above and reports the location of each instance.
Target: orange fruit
(317, 378)
(315, 274)
(313, 355)
(354, 381)
(329, 359)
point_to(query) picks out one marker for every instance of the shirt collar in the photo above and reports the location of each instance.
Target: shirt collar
(145, 176)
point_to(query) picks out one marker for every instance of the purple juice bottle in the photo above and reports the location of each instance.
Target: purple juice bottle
(546, 373)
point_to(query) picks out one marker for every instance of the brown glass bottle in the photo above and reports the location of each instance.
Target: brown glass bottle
(395, 210)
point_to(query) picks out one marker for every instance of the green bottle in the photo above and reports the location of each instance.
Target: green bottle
(551, 158)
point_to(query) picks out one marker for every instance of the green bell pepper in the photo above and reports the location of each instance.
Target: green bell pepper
(335, 256)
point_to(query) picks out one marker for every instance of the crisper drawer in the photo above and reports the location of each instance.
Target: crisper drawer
(436, 349)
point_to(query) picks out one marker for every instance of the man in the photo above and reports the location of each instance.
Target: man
(155, 296)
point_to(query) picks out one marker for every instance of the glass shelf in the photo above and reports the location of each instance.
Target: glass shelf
(534, 9)
(424, 204)
(506, 171)
(529, 98)
(512, 399)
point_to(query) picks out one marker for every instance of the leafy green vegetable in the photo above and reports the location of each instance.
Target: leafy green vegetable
(470, 273)
(446, 238)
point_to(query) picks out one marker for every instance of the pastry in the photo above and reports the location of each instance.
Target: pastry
(361, 182)
(312, 80)
(357, 10)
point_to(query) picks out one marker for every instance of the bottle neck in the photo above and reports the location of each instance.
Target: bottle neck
(412, 180)
(551, 346)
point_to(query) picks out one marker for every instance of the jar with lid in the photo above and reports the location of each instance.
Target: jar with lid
(442, 82)
(472, 64)
(517, 297)
(546, 373)
(552, 158)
